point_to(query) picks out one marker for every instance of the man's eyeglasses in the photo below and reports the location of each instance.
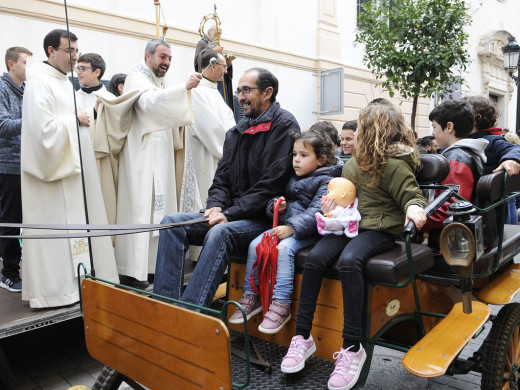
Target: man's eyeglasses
(83, 68)
(70, 50)
(224, 65)
(245, 90)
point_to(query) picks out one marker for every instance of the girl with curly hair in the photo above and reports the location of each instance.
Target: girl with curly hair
(383, 170)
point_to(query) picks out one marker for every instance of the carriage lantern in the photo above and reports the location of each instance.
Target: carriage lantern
(461, 243)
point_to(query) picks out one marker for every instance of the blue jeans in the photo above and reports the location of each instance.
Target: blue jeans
(512, 215)
(218, 243)
(287, 249)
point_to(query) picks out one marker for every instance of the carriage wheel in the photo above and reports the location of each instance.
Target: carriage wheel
(109, 379)
(501, 368)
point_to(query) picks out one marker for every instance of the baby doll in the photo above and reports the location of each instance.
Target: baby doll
(345, 217)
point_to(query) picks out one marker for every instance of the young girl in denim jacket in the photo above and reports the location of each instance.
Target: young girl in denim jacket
(383, 170)
(315, 164)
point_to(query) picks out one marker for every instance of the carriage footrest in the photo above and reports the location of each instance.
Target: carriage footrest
(502, 289)
(221, 292)
(433, 354)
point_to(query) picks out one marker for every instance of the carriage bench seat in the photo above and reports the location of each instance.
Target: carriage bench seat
(388, 267)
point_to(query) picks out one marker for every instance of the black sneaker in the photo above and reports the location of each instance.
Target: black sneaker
(133, 282)
(13, 285)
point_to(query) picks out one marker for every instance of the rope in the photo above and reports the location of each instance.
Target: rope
(95, 230)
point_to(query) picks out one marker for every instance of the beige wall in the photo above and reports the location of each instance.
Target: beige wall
(299, 89)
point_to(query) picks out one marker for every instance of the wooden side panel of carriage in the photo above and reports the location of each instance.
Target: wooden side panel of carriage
(328, 319)
(157, 344)
(387, 303)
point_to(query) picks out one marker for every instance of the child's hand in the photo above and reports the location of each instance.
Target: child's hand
(327, 205)
(283, 205)
(283, 231)
(416, 214)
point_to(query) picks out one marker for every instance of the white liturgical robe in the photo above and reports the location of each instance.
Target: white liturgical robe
(204, 142)
(146, 189)
(52, 191)
(87, 102)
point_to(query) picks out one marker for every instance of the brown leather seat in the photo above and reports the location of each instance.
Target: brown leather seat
(388, 267)
(434, 168)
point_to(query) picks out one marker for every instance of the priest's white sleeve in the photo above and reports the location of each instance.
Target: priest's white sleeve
(49, 142)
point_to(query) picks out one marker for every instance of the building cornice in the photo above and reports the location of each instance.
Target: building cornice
(104, 21)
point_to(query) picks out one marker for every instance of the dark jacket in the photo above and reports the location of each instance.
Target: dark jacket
(383, 208)
(11, 96)
(497, 151)
(303, 196)
(256, 164)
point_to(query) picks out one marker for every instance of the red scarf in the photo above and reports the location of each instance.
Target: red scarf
(494, 131)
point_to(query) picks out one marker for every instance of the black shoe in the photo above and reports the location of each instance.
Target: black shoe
(133, 282)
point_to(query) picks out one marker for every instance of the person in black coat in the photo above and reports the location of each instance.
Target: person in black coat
(255, 167)
(501, 155)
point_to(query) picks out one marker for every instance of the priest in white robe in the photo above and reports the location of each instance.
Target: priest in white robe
(146, 189)
(109, 131)
(205, 138)
(110, 119)
(51, 181)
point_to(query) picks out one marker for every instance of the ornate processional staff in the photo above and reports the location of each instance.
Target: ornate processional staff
(214, 17)
(213, 43)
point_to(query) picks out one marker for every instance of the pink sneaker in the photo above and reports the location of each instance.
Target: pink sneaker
(251, 305)
(347, 369)
(299, 350)
(275, 318)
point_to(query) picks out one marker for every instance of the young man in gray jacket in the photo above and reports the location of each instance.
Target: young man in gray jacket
(12, 86)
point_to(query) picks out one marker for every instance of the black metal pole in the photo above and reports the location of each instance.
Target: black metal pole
(91, 256)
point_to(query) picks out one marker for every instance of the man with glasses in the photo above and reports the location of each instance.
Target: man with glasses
(52, 182)
(147, 183)
(205, 138)
(255, 167)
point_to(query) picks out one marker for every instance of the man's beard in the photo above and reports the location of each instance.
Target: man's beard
(158, 72)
